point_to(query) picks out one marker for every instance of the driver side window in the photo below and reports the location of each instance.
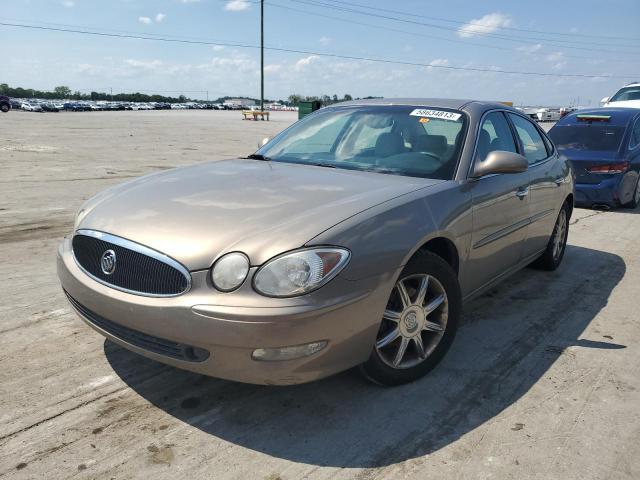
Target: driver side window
(495, 134)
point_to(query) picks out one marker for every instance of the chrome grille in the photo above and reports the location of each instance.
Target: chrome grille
(137, 269)
(158, 345)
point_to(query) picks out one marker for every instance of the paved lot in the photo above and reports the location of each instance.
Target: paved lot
(542, 381)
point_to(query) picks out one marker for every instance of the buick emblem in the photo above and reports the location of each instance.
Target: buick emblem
(108, 262)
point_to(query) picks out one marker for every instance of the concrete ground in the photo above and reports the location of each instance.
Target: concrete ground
(542, 381)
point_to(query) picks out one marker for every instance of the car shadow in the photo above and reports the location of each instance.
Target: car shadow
(508, 339)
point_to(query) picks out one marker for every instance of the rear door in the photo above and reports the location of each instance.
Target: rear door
(500, 207)
(546, 175)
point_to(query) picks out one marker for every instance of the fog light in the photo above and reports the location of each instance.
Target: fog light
(287, 353)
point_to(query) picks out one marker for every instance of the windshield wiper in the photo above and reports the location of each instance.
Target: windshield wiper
(328, 165)
(258, 156)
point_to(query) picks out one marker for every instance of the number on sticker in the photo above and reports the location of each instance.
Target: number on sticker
(420, 112)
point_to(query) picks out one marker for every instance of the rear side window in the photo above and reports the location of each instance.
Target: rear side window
(534, 147)
(495, 134)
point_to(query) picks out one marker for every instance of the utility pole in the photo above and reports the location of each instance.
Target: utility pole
(262, 55)
(111, 88)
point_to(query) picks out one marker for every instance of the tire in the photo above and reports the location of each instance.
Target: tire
(554, 253)
(433, 321)
(635, 200)
(4, 107)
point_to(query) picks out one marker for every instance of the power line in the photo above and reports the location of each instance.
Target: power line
(435, 37)
(320, 54)
(306, 12)
(317, 3)
(462, 22)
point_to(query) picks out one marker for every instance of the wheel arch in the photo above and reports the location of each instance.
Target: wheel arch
(444, 248)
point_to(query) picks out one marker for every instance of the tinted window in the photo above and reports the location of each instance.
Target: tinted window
(534, 148)
(401, 140)
(495, 134)
(627, 93)
(587, 137)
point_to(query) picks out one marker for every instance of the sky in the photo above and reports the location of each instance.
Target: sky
(567, 37)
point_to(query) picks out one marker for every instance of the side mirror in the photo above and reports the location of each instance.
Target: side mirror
(499, 161)
(605, 100)
(263, 142)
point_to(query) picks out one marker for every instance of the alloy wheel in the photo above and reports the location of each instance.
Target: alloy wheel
(560, 234)
(414, 321)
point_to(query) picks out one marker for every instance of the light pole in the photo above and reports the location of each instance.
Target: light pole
(262, 55)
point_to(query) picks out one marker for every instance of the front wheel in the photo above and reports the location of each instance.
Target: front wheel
(419, 322)
(4, 108)
(552, 256)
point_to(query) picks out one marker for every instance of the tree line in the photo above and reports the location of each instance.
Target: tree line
(64, 92)
(325, 100)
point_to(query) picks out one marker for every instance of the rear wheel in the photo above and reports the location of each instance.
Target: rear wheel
(419, 322)
(635, 200)
(4, 107)
(552, 256)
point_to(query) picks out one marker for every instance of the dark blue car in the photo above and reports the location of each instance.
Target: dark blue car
(603, 146)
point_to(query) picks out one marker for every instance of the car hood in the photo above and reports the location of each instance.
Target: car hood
(195, 214)
(624, 103)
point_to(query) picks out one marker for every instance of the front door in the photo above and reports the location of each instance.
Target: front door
(500, 208)
(546, 176)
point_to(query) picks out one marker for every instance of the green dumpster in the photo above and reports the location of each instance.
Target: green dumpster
(305, 108)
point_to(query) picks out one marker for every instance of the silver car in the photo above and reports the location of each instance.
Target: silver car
(352, 238)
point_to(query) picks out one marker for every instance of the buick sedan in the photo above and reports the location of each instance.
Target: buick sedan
(350, 239)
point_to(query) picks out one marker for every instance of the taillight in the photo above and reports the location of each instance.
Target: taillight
(609, 168)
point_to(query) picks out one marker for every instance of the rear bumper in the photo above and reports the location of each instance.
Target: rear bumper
(607, 192)
(346, 314)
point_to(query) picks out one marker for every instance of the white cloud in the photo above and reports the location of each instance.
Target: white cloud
(439, 62)
(237, 5)
(530, 48)
(487, 24)
(145, 20)
(325, 40)
(144, 64)
(558, 59)
(68, 3)
(217, 48)
(305, 62)
(274, 68)
(160, 17)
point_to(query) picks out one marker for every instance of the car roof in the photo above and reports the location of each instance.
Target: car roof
(473, 106)
(619, 116)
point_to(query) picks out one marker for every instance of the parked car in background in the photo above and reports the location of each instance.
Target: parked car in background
(49, 107)
(31, 107)
(628, 96)
(5, 103)
(603, 145)
(548, 115)
(351, 238)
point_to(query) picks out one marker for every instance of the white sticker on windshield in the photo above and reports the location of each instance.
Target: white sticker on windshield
(421, 112)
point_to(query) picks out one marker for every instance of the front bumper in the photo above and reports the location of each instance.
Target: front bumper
(231, 326)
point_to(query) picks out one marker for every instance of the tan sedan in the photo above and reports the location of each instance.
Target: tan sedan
(350, 239)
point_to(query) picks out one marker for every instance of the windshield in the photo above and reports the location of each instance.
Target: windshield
(401, 140)
(587, 137)
(627, 93)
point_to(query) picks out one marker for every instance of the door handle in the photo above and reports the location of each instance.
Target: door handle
(559, 181)
(522, 192)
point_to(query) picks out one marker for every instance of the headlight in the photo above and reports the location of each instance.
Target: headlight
(229, 271)
(300, 272)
